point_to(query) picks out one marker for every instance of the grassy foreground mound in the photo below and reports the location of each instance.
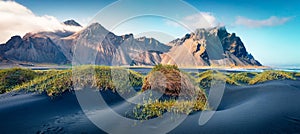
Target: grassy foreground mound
(210, 77)
(171, 82)
(55, 82)
(207, 78)
(10, 78)
(271, 75)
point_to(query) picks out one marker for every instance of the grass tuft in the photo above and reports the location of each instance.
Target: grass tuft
(9, 78)
(174, 84)
(242, 77)
(271, 75)
(55, 82)
(207, 78)
(157, 108)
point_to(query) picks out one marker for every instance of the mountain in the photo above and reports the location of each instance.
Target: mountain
(72, 23)
(39, 47)
(95, 44)
(110, 49)
(33, 48)
(209, 47)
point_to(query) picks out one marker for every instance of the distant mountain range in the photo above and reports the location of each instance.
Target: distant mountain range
(204, 47)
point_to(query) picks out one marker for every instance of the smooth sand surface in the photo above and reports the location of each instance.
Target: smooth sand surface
(271, 107)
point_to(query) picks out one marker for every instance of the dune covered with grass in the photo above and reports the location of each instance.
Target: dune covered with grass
(55, 82)
(180, 93)
(26, 92)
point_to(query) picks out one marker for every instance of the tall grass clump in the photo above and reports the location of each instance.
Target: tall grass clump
(156, 108)
(271, 75)
(242, 77)
(9, 78)
(181, 93)
(55, 82)
(104, 77)
(210, 77)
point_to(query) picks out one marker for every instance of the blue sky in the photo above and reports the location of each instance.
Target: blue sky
(268, 29)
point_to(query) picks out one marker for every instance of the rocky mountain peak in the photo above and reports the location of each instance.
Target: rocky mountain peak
(28, 36)
(94, 30)
(14, 40)
(127, 36)
(211, 44)
(96, 26)
(71, 23)
(203, 47)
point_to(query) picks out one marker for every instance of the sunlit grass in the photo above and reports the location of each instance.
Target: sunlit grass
(9, 78)
(271, 75)
(173, 83)
(104, 77)
(55, 82)
(207, 78)
(242, 77)
(157, 108)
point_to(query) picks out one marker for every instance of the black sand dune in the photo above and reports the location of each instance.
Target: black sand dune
(271, 107)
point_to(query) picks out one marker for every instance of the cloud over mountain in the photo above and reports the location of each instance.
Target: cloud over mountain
(16, 19)
(194, 21)
(272, 21)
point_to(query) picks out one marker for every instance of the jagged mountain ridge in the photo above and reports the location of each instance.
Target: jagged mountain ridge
(72, 23)
(206, 47)
(110, 49)
(33, 48)
(193, 49)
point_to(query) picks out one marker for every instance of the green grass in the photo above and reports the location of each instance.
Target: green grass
(55, 82)
(207, 78)
(104, 77)
(156, 108)
(161, 67)
(52, 82)
(242, 77)
(172, 82)
(271, 75)
(9, 78)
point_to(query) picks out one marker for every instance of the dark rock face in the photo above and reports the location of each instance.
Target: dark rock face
(72, 23)
(235, 46)
(96, 45)
(33, 48)
(111, 49)
(213, 46)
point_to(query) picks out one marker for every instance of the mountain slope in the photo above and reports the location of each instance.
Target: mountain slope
(96, 45)
(205, 47)
(33, 48)
(72, 23)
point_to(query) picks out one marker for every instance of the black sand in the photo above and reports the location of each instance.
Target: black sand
(271, 107)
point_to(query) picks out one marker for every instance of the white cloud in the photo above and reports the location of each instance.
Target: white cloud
(200, 20)
(171, 23)
(272, 21)
(19, 20)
